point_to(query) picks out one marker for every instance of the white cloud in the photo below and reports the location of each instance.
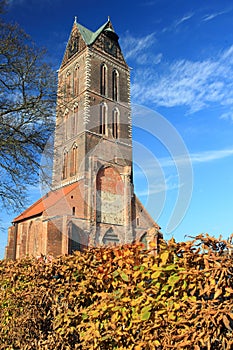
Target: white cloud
(173, 26)
(227, 115)
(209, 156)
(137, 48)
(157, 188)
(150, 169)
(197, 158)
(194, 84)
(184, 19)
(211, 16)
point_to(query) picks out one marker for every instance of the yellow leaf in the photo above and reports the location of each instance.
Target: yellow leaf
(217, 293)
(138, 347)
(164, 257)
(156, 342)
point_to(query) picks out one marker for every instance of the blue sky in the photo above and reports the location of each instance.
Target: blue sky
(181, 55)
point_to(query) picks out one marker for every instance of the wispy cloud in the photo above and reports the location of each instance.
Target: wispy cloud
(197, 158)
(137, 48)
(194, 84)
(209, 156)
(183, 19)
(227, 115)
(213, 15)
(177, 22)
(158, 188)
(150, 169)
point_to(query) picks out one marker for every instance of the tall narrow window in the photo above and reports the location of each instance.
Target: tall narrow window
(115, 85)
(75, 120)
(76, 81)
(74, 160)
(115, 123)
(66, 124)
(62, 88)
(103, 119)
(65, 164)
(68, 84)
(103, 79)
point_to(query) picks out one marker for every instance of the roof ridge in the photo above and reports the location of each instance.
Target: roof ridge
(99, 31)
(29, 208)
(88, 35)
(42, 201)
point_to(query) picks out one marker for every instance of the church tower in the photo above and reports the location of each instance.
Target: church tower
(92, 201)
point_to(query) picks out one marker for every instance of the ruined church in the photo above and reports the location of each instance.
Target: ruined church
(92, 200)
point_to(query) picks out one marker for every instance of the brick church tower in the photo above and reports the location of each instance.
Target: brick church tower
(92, 200)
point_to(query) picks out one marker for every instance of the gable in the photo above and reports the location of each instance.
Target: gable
(81, 37)
(75, 44)
(54, 202)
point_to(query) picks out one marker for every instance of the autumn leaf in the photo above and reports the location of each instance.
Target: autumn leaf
(124, 276)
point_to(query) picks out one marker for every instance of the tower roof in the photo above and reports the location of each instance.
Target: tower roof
(88, 36)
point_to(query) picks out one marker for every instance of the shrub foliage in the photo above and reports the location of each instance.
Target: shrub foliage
(121, 298)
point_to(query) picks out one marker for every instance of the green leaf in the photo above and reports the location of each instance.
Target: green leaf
(145, 316)
(146, 308)
(170, 267)
(145, 313)
(84, 316)
(124, 276)
(156, 274)
(115, 273)
(173, 279)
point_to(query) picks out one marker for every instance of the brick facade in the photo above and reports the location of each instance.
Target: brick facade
(92, 201)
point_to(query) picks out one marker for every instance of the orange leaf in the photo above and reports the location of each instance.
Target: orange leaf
(217, 293)
(226, 322)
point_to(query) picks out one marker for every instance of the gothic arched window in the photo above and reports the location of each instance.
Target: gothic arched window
(103, 79)
(76, 81)
(74, 160)
(74, 120)
(115, 123)
(115, 85)
(68, 84)
(65, 164)
(66, 124)
(103, 119)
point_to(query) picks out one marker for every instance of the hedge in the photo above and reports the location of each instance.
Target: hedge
(121, 297)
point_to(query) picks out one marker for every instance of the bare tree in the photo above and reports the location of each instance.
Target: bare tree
(27, 109)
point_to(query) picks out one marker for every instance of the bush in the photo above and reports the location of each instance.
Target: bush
(121, 298)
